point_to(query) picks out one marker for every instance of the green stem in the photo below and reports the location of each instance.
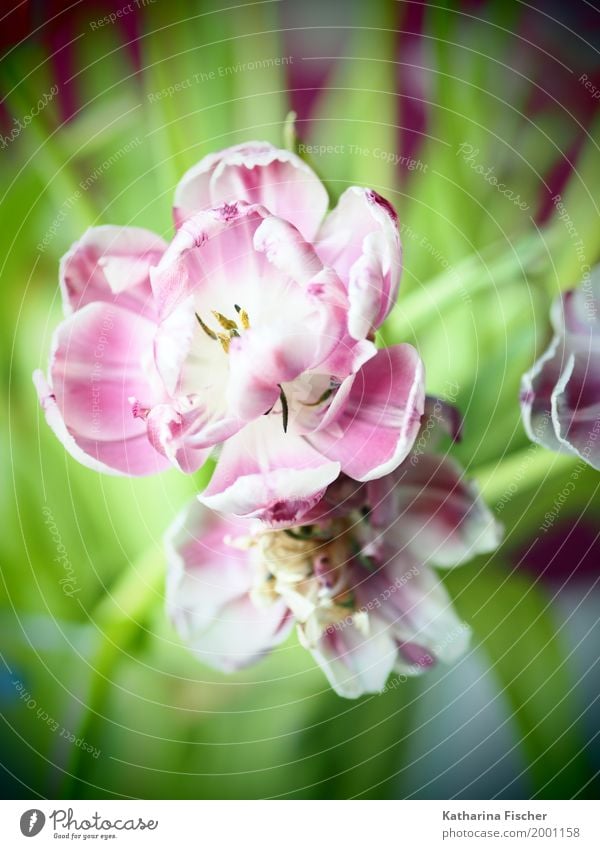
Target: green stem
(290, 139)
(118, 618)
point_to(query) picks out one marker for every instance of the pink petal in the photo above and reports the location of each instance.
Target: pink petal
(381, 417)
(259, 173)
(413, 602)
(213, 257)
(537, 386)
(111, 264)
(355, 663)
(348, 356)
(170, 431)
(360, 240)
(429, 507)
(101, 359)
(57, 424)
(575, 404)
(286, 250)
(208, 584)
(309, 328)
(423, 615)
(441, 417)
(268, 474)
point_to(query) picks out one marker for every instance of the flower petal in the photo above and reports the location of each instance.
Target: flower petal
(360, 240)
(268, 474)
(575, 404)
(426, 618)
(418, 611)
(576, 311)
(308, 329)
(169, 432)
(537, 386)
(441, 417)
(259, 173)
(209, 580)
(100, 361)
(559, 394)
(380, 420)
(111, 264)
(212, 257)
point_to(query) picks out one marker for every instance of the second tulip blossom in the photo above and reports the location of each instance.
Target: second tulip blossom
(357, 578)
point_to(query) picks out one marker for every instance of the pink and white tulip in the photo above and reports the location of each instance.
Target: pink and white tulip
(357, 579)
(251, 331)
(560, 395)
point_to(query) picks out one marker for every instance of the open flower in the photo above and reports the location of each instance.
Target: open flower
(252, 331)
(357, 578)
(560, 395)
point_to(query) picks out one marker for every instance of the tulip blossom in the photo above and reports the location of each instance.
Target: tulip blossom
(251, 332)
(560, 397)
(357, 578)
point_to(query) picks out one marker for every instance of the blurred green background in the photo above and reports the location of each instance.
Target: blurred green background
(97, 695)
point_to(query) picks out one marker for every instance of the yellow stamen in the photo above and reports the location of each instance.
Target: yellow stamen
(224, 340)
(243, 317)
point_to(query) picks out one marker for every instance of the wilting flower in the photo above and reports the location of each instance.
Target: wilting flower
(560, 395)
(357, 578)
(251, 331)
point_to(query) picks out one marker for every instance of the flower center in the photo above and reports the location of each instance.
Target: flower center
(304, 399)
(228, 325)
(307, 567)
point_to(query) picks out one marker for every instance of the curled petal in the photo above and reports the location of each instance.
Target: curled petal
(212, 257)
(286, 250)
(360, 240)
(417, 611)
(99, 362)
(255, 172)
(356, 660)
(209, 581)
(111, 264)
(268, 474)
(431, 508)
(376, 427)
